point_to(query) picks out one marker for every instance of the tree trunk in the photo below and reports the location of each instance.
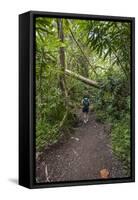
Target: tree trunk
(40, 75)
(62, 78)
(81, 78)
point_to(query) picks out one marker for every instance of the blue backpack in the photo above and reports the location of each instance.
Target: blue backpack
(86, 102)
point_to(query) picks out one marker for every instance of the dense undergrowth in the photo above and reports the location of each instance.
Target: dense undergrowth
(112, 105)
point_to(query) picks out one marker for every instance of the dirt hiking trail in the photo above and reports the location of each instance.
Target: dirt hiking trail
(80, 157)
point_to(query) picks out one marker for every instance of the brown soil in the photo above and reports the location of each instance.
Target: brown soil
(80, 157)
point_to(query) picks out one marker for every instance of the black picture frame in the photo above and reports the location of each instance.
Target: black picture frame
(27, 99)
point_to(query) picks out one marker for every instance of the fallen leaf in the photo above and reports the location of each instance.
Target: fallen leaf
(77, 139)
(104, 173)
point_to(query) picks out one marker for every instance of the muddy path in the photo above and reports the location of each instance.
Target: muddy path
(81, 157)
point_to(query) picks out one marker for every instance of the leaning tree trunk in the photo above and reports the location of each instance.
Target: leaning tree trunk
(82, 78)
(62, 78)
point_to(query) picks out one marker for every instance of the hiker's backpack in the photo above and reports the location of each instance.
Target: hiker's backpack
(86, 102)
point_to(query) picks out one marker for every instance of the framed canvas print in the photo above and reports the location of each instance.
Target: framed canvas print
(76, 99)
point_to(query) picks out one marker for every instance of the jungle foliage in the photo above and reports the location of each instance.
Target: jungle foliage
(96, 50)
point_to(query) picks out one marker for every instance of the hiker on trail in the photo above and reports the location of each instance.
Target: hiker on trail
(85, 109)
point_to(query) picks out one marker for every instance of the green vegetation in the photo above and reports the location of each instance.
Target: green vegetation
(78, 56)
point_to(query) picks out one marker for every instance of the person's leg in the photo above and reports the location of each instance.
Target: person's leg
(85, 117)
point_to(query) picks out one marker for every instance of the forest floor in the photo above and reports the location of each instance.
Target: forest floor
(81, 156)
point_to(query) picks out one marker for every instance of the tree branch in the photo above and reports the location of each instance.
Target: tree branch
(81, 50)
